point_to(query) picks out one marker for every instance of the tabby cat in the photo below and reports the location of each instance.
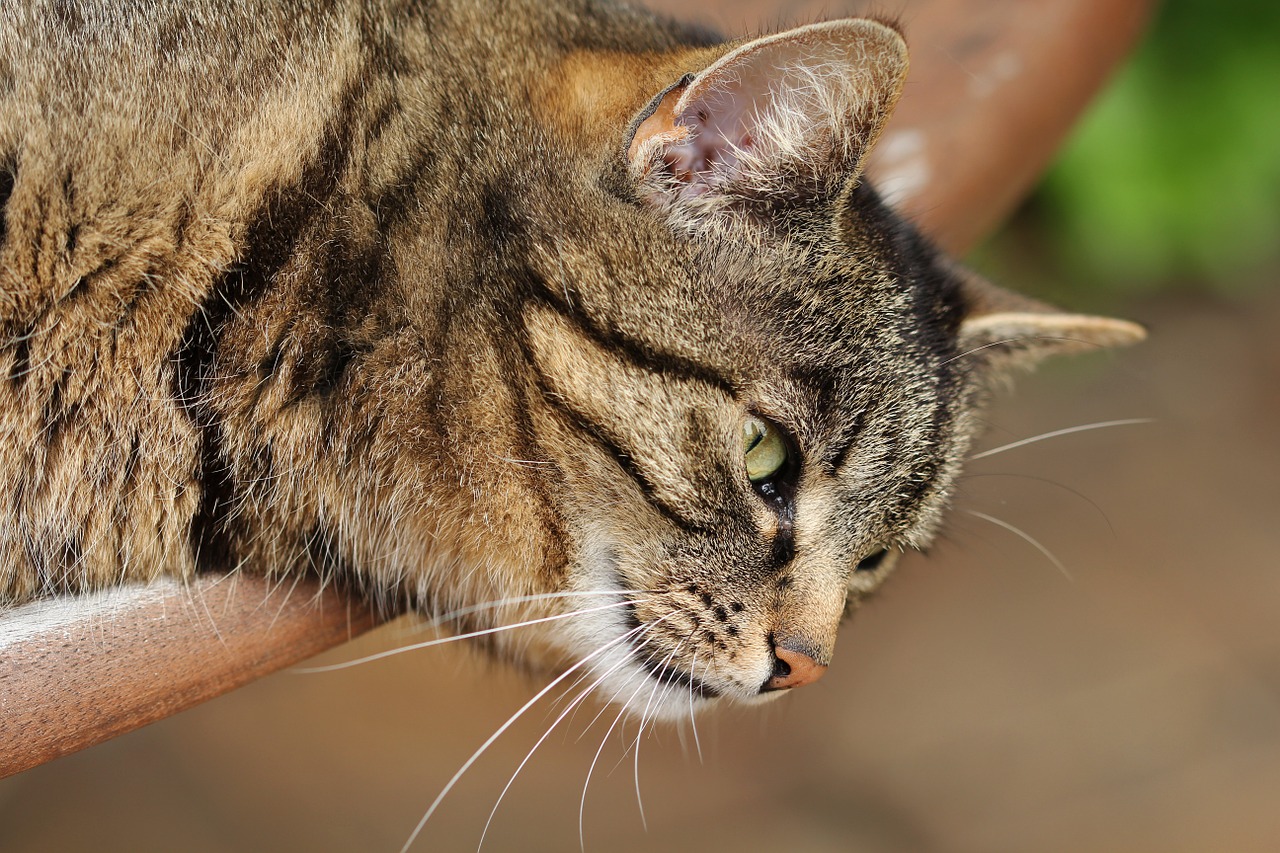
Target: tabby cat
(552, 304)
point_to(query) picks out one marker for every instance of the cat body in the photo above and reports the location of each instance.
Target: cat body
(553, 304)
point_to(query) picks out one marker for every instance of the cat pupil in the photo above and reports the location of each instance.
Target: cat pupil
(765, 452)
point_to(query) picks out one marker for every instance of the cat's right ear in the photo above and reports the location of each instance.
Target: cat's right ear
(781, 118)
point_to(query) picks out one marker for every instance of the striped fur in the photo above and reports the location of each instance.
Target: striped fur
(377, 291)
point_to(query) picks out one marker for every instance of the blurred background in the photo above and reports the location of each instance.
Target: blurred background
(986, 701)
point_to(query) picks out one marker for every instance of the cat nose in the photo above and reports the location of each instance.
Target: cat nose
(793, 669)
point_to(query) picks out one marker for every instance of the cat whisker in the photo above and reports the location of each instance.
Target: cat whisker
(657, 684)
(441, 618)
(671, 684)
(1058, 432)
(582, 805)
(633, 634)
(440, 641)
(1026, 537)
(1101, 512)
(475, 756)
(693, 720)
(612, 698)
(667, 690)
(645, 712)
(1019, 338)
(970, 352)
(639, 630)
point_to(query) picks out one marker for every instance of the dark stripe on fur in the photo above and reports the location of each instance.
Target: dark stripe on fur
(21, 365)
(506, 229)
(784, 546)
(8, 176)
(634, 352)
(839, 455)
(610, 446)
(271, 240)
(21, 342)
(527, 445)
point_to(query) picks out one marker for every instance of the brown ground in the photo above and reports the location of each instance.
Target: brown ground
(983, 703)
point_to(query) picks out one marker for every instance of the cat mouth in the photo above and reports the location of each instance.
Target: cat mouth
(666, 674)
(658, 669)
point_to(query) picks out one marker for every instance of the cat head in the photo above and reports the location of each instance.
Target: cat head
(776, 403)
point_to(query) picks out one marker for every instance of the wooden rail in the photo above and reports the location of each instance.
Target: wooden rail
(994, 86)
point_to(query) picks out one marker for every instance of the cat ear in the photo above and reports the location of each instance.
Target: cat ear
(1008, 331)
(789, 115)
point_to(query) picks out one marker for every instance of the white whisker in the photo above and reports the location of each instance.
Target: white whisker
(493, 737)
(572, 705)
(633, 634)
(1026, 537)
(636, 647)
(439, 619)
(455, 638)
(666, 691)
(1081, 495)
(609, 702)
(582, 806)
(671, 684)
(693, 720)
(657, 683)
(1021, 338)
(1069, 430)
(999, 343)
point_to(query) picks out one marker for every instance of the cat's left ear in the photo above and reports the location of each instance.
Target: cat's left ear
(1006, 330)
(787, 116)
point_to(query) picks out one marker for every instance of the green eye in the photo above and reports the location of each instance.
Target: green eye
(764, 449)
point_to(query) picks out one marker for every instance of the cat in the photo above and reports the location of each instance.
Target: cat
(558, 312)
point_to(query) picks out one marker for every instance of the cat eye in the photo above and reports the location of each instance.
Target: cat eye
(764, 449)
(872, 562)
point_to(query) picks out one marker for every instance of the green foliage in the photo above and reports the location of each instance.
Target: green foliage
(1175, 174)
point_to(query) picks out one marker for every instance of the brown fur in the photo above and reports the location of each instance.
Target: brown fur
(395, 293)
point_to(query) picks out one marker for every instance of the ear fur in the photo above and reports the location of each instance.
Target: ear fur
(785, 116)
(1010, 331)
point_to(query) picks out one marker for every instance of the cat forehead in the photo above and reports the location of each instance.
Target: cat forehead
(832, 295)
(815, 356)
(831, 262)
(830, 303)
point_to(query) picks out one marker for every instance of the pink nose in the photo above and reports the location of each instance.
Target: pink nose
(793, 669)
